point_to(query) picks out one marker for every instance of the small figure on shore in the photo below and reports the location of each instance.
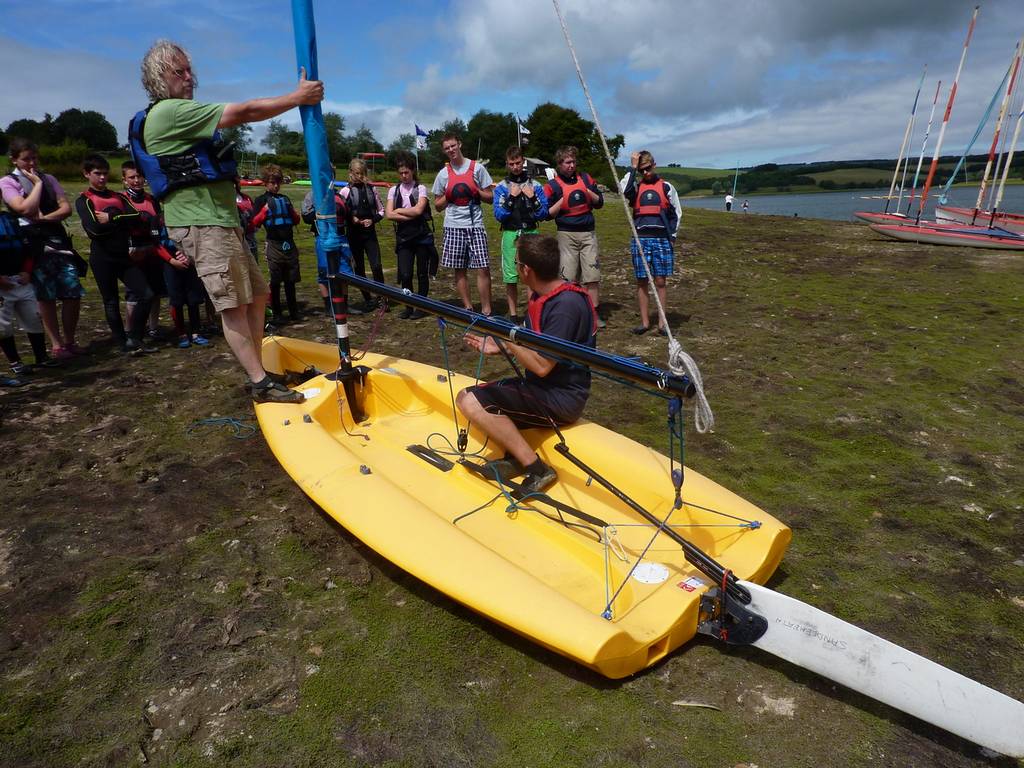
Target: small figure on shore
(728, 201)
(746, 206)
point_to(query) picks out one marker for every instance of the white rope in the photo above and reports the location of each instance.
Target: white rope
(679, 362)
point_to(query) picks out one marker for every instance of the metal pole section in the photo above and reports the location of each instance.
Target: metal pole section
(631, 370)
(323, 194)
(924, 145)
(903, 145)
(945, 119)
(1014, 65)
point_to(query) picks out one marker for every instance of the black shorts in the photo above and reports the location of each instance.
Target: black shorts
(531, 405)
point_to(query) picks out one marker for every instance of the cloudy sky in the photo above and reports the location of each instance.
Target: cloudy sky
(698, 82)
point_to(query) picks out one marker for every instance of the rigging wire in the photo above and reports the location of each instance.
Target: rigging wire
(679, 361)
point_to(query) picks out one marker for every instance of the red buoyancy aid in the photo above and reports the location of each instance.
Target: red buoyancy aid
(577, 201)
(461, 189)
(147, 230)
(535, 306)
(114, 203)
(651, 199)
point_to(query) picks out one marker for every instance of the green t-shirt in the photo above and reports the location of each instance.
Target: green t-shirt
(173, 126)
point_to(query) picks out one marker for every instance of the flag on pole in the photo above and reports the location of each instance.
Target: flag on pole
(421, 137)
(523, 132)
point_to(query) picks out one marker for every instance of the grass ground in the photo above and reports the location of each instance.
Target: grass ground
(168, 597)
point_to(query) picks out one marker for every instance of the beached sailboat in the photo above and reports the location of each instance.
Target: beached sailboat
(624, 559)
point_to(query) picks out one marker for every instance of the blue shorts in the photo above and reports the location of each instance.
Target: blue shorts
(658, 251)
(54, 276)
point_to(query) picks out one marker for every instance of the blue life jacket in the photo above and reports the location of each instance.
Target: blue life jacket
(278, 212)
(13, 246)
(204, 162)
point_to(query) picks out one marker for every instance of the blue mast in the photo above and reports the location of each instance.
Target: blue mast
(328, 240)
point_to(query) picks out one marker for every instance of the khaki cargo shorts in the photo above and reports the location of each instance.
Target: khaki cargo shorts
(228, 270)
(577, 253)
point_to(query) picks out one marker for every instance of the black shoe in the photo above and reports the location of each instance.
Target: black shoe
(21, 369)
(353, 310)
(505, 469)
(274, 392)
(416, 314)
(135, 348)
(406, 314)
(535, 483)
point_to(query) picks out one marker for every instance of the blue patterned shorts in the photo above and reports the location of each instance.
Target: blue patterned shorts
(658, 252)
(54, 277)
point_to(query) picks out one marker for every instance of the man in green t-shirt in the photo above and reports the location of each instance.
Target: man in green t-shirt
(203, 219)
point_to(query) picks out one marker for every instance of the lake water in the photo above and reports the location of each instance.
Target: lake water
(841, 205)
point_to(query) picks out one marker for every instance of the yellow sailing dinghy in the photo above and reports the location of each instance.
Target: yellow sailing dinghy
(579, 570)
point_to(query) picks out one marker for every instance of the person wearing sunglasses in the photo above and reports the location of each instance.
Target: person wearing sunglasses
(656, 214)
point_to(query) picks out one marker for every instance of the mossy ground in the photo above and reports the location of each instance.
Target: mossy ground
(170, 598)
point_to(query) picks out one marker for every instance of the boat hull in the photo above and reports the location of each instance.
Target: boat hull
(519, 567)
(960, 236)
(953, 214)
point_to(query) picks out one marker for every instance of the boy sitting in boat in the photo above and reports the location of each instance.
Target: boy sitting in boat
(550, 392)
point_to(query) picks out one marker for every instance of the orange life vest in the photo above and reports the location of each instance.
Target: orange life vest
(535, 306)
(461, 189)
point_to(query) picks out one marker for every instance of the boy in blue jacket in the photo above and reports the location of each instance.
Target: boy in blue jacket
(519, 206)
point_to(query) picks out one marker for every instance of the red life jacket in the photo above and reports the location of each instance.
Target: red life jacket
(113, 204)
(651, 199)
(461, 189)
(577, 200)
(535, 306)
(147, 230)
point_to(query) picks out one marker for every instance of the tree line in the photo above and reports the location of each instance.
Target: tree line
(486, 136)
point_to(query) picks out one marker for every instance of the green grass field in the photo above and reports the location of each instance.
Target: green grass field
(168, 597)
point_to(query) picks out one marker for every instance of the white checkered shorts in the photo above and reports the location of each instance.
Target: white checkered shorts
(465, 248)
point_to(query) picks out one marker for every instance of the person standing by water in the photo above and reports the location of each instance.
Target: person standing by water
(728, 201)
(656, 214)
(39, 202)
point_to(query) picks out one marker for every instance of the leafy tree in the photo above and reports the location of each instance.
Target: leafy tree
(283, 141)
(406, 142)
(337, 146)
(434, 155)
(493, 132)
(552, 126)
(87, 126)
(241, 135)
(363, 140)
(34, 130)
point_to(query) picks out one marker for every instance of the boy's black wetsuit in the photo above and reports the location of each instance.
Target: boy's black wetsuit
(108, 257)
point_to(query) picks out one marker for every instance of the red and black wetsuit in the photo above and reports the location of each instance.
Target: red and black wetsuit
(108, 256)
